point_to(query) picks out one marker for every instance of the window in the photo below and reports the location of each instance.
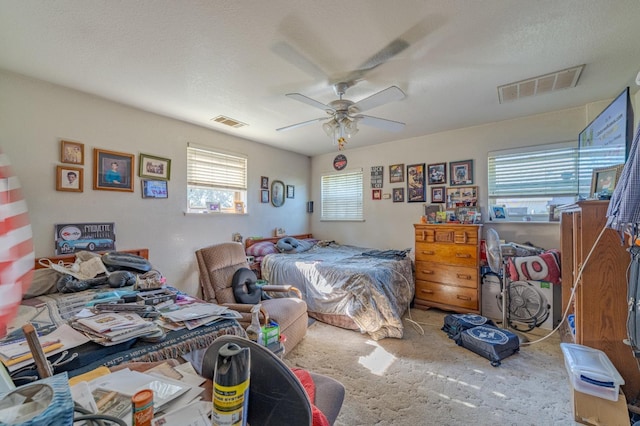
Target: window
(342, 196)
(216, 181)
(529, 180)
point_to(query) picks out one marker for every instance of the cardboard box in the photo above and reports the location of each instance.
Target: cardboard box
(592, 410)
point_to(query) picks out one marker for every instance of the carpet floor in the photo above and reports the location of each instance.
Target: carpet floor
(426, 379)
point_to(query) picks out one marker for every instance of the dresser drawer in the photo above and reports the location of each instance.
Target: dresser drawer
(462, 297)
(447, 234)
(449, 254)
(461, 276)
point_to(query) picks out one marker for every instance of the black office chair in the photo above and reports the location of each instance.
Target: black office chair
(276, 396)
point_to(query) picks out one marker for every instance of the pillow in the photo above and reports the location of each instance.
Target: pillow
(262, 248)
(244, 286)
(293, 245)
(44, 282)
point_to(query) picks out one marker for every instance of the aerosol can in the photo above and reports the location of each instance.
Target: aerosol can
(231, 386)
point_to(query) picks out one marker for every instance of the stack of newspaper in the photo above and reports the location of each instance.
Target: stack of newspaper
(193, 315)
(111, 328)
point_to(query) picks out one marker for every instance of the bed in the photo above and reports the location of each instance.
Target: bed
(346, 286)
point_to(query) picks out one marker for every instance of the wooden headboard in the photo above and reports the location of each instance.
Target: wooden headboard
(70, 258)
(252, 240)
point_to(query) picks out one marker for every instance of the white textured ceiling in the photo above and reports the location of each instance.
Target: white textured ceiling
(194, 60)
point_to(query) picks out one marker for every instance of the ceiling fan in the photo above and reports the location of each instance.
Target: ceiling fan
(344, 115)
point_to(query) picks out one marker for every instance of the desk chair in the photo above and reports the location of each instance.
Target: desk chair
(276, 396)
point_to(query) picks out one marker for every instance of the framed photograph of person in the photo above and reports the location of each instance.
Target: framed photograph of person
(71, 152)
(291, 191)
(69, 179)
(264, 195)
(398, 195)
(437, 194)
(154, 167)
(154, 188)
(113, 171)
(396, 173)
(498, 213)
(264, 182)
(437, 174)
(416, 190)
(461, 173)
(376, 194)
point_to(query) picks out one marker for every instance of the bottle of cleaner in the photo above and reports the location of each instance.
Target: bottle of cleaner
(231, 386)
(254, 331)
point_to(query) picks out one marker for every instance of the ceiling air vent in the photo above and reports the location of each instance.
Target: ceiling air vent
(228, 121)
(547, 83)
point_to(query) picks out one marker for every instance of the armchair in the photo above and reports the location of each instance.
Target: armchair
(218, 263)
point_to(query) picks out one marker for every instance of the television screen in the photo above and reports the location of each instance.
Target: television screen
(605, 141)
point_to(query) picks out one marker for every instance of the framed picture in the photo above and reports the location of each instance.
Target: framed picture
(71, 152)
(463, 196)
(113, 171)
(396, 173)
(214, 207)
(437, 194)
(398, 195)
(498, 213)
(277, 193)
(154, 188)
(554, 213)
(437, 174)
(154, 167)
(604, 180)
(376, 194)
(239, 206)
(469, 215)
(416, 190)
(290, 191)
(264, 196)
(461, 173)
(69, 179)
(264, 182)
(430, 212)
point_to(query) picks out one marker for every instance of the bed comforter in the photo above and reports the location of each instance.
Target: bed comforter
(340, 280)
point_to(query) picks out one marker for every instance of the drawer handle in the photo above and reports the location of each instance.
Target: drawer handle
(464, 276)
(427, 272)
(463, 297)
(463, 255)
(429, 252)
(426, 291)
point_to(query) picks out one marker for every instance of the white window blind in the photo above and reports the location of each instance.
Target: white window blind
(342, 196)
(552, 171)
(216, 170)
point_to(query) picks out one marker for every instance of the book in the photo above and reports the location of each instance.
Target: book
(105, 322)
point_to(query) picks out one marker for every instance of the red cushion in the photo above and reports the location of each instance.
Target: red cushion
(319, 419)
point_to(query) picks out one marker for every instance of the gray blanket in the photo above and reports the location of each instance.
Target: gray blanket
(340, 280)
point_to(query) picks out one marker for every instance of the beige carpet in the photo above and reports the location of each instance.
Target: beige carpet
(429, 380)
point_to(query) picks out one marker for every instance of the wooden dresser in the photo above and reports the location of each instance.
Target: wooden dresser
(600, 303)
(447, 267)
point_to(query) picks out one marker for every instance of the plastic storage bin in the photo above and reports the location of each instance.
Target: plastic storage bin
(591, 371)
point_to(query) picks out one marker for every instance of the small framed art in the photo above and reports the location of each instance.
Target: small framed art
(416, 190)
(264, 196)
(239, 206)
(69, 179)
(277, 193)
(214, 207)
(376, 194)
(398, 195)
(291, 191)
(463, 196)
(437, 194)
(461, 173)
(154, 188)
(604, 181)
(71, 152)
(498, 213)
(264, 182)
(396, 173)
(113, 171)
(430, 211)
(437, 173)
(154, 167)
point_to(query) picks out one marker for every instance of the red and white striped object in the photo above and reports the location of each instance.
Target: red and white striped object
(16, 245)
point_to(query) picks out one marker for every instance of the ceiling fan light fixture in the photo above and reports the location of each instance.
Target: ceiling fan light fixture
(330, 128)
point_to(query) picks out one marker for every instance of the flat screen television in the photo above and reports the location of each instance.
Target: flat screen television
(605, 141)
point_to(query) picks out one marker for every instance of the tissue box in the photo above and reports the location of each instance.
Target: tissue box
(591, 371)
(271, 333)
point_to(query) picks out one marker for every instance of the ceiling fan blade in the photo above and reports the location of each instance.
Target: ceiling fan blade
(307, 100)
(389, 94)
(380, 123)
(304, 123)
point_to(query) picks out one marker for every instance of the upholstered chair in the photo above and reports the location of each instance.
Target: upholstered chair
(217, 265)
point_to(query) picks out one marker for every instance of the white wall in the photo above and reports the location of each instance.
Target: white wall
(35, 116)
(390, 225)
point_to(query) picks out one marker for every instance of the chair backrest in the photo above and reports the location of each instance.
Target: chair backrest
(276, 396)
(217, 264)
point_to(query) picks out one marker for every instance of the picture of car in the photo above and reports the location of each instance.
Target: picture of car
(92, 244)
